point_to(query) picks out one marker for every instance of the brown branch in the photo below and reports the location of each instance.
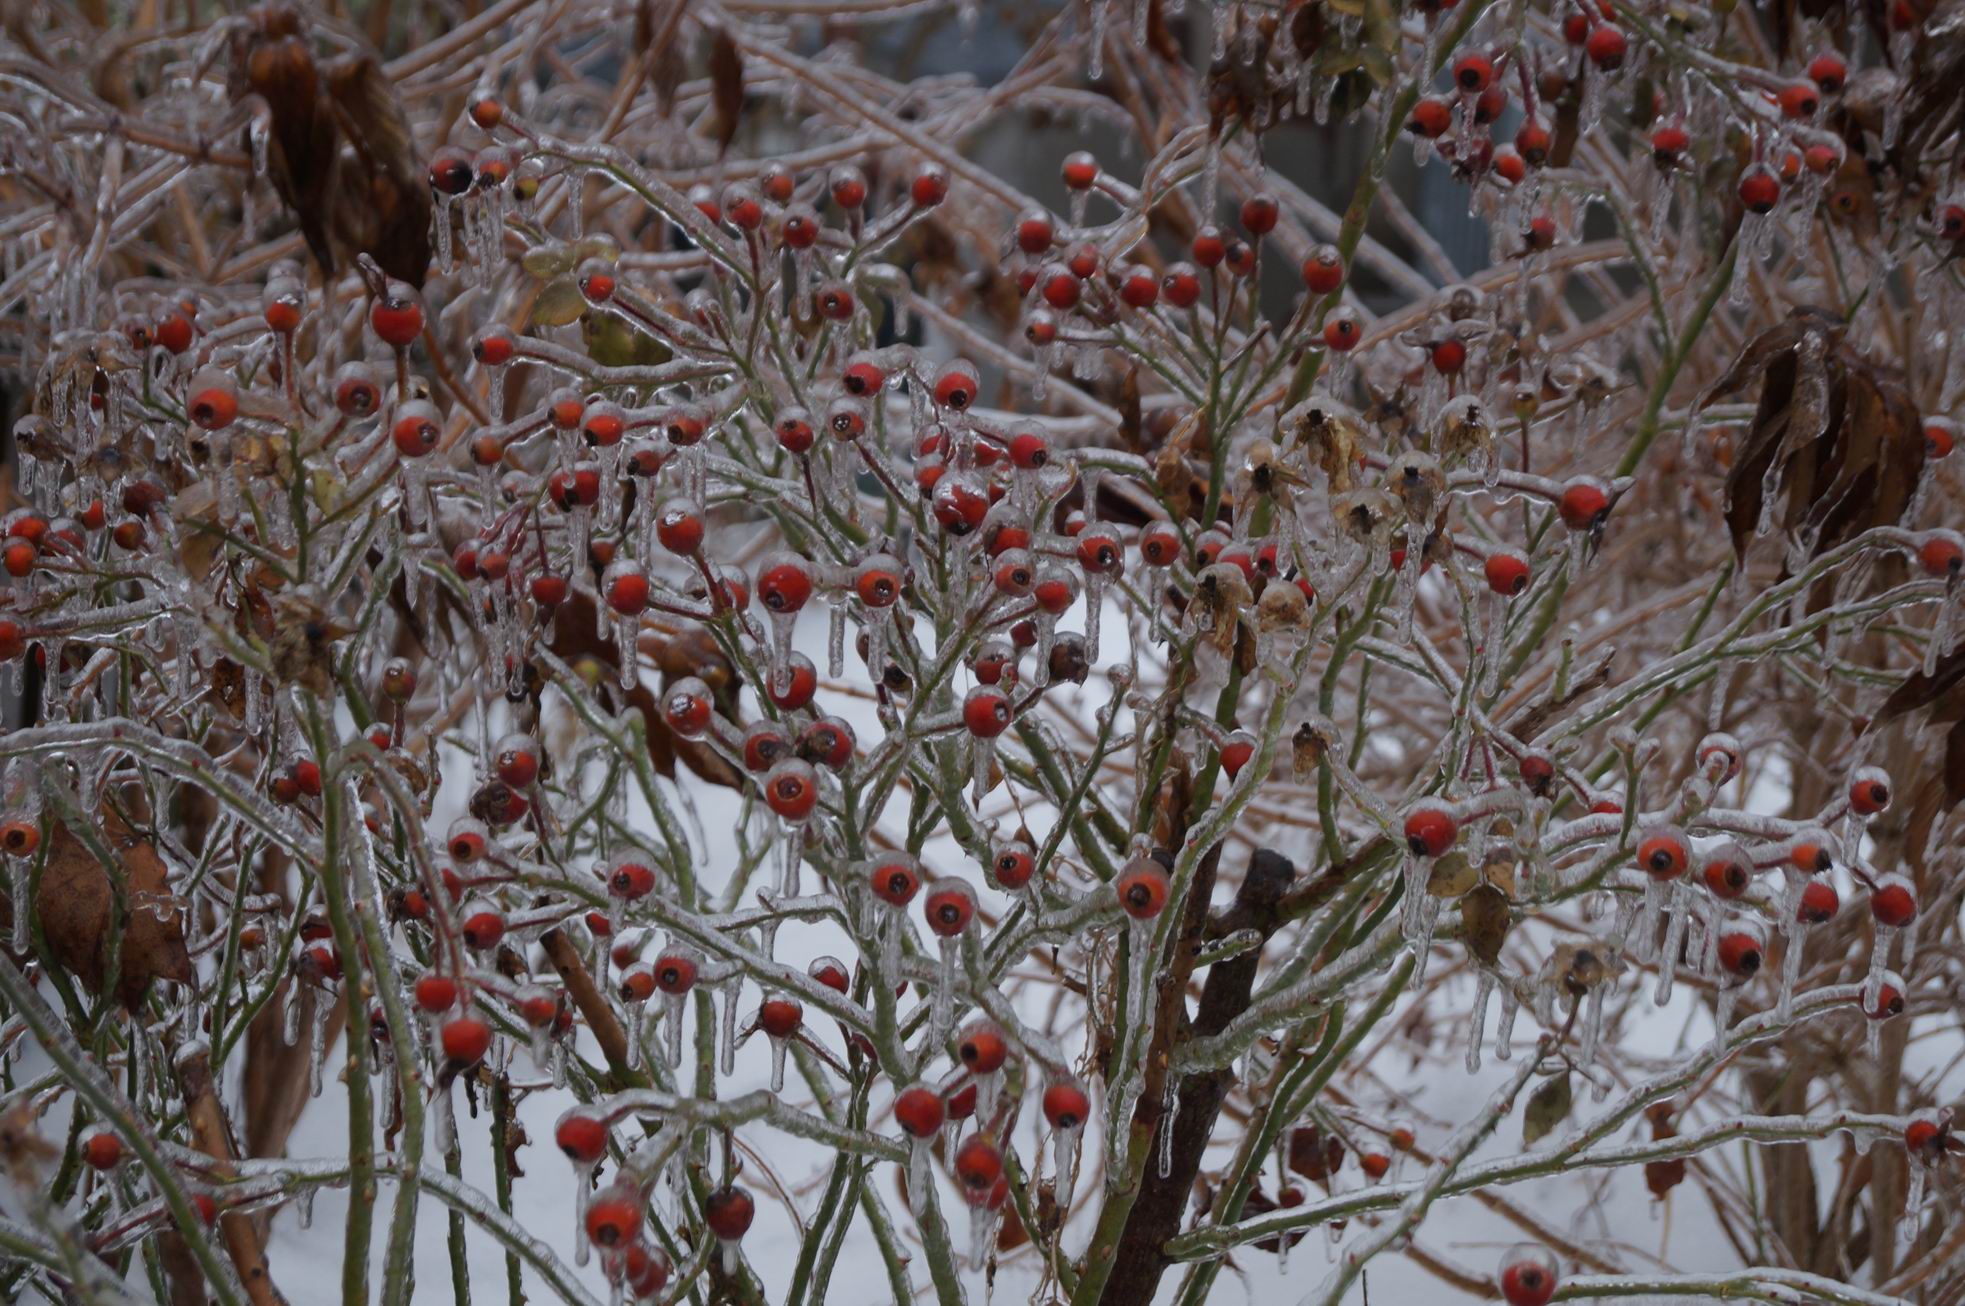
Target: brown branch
(207, 1121)
(600, 1017)
(1162, 1199)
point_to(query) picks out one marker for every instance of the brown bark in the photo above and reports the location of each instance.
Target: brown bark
(211, 1136)
(1162, 1199)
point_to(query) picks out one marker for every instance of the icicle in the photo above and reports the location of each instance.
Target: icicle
(583, 1195)
(1167, 1116)
(290, 1014)
(1504, 1032)
(1096, 69)
(981, 1222)
(836, 642)
(1791, 967)
(920, 1151)
(729, 1037)
(673, 1005)
(317, 1048)
(1879, 963)
(1066, 1143)
(1646, 936)
(1912, 1219)
(943, 1011)
(446, 1121)
(303, 1206)
(1477, 1030)
(20, 872)
(1593, 1021)
(778, 1047)
(1723, 1015)
(1677, 911)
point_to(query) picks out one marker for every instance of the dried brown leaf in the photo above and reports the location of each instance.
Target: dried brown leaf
(726, 87)
(1485, 920)
(76, 896)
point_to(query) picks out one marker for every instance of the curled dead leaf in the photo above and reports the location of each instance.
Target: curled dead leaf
(1485, 920)
(1547, 1107)
(1451, 876)
(76, 896)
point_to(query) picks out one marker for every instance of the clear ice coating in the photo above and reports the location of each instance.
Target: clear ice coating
(224, 534)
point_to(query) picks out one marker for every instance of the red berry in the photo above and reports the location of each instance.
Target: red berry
(214, 401)
(614, 1216)
(1668, 144)
(785, 583)
(675, 973)
(831, 972)
(1430, 118)
(1140, 288)
(1012, 865)
(1662, 853)
(631, 881)
(1472, 73)
(828, 741)
(978, 1165)
(1583, 505)
(627, 589)
(863, 375)
(1080, 171)
(1506, 571)
(798, 686)
(1869, 791)
(436, 993)
(1942, 553)
(1828, 72)
(1893, 902)
(956, 387)
(397, 316)
(791, 789)
(1940, 437)
(1727, 871)
(581, 1136)
(895, 878)
(1606, 47)
(1066, 1106)
(1260, 213)
(1430, 829)
(1819, 903)
(1236, 750)
(173, 332)
(986, 712)
(780, 1017)
(103, 1150)
(729, 1211)
(1800, 100)
(1181, 285)
(983, 1049)
(1740, 953)
(1323, 271)
(1528, 1274)
(1209, 247)
(1532, 141)
(949, 906)
(919, 1111)
(1341, 331)
(483, 930)
(1060, 288)
(1809, 852)
(1142, 887)
(1034, 233)
(1760, 191)
(466, 1040)
(467, 840)
(929, 187)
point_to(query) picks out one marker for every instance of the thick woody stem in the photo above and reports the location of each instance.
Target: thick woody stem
(1156, 1212)
(208, 1131)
